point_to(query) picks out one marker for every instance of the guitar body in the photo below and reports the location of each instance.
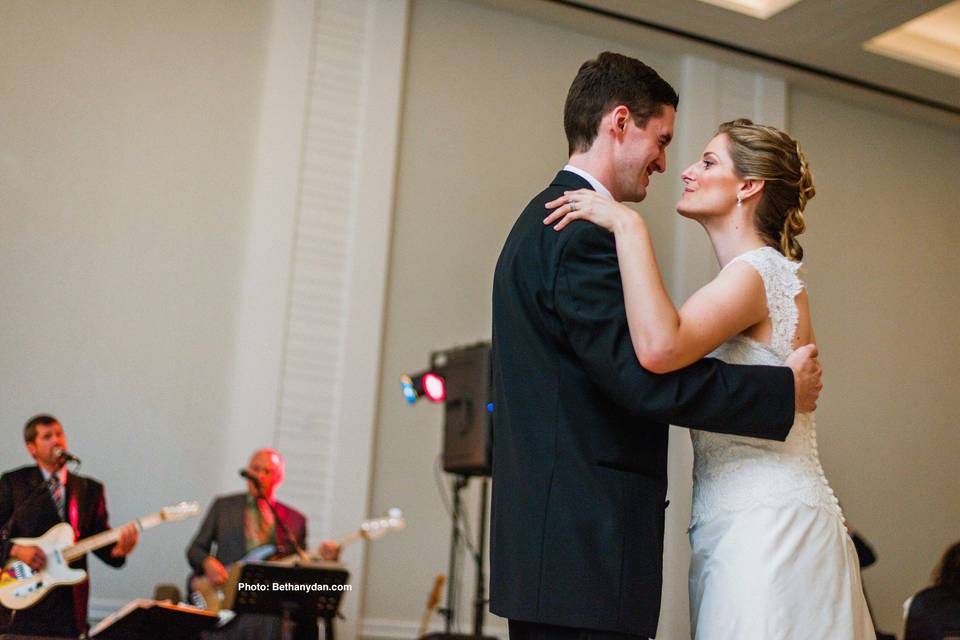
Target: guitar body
(206, 595)
(22, 587)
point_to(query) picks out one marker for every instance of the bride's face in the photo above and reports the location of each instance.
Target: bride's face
(710, 185)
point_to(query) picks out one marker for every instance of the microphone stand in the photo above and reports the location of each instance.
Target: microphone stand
(301, 553)
(287, 622)
(456, 540)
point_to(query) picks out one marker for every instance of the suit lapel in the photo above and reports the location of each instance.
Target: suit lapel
(46, 513)
(282, 512)
(235, 523)
(283, 540)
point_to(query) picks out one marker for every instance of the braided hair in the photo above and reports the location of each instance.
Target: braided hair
(765, 153)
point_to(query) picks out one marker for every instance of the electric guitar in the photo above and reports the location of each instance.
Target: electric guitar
(22, 587)
(206, 595)
(432, 601)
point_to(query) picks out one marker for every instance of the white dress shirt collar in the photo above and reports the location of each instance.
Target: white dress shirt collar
(597, 186)
(62, 472)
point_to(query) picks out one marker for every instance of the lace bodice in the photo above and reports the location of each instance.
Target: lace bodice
(734, 472)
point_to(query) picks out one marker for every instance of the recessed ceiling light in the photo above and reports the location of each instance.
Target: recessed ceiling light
(762, 9)
(931, 40)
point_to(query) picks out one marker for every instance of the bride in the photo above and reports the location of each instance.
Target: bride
(771, 558)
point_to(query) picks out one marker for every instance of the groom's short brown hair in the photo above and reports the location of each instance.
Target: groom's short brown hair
(603, 83)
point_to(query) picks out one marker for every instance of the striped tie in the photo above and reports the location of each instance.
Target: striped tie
(58, 497)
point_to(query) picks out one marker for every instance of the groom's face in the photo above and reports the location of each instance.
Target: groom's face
(641, 153)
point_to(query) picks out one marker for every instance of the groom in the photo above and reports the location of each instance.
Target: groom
(580, 429)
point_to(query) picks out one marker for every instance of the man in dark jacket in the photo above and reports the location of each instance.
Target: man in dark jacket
(37, 497)
(239, 523)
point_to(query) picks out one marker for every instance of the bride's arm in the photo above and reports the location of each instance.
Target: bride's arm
(665, 339)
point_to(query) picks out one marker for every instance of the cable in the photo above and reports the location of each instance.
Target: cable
(463, 525)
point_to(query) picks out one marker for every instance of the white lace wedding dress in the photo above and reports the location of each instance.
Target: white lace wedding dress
(771, 557)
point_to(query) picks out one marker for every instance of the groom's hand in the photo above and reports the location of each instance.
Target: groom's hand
(806, 377)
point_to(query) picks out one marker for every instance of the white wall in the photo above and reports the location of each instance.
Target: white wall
(126, 143)
(196, 210)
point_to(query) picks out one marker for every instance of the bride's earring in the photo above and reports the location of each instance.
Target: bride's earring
(739, 200)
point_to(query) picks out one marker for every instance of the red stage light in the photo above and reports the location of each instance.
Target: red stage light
(434, 387)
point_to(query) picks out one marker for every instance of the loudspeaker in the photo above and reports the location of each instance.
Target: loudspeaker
(467, 408)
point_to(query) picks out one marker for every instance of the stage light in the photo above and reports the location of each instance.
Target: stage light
(434, 387)
(424, 383)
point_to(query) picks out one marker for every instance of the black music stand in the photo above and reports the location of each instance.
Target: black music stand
(150, 619)
(271, 588)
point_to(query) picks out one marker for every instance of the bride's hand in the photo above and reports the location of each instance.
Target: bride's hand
(585, 204)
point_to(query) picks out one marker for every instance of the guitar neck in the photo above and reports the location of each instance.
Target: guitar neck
(348, 539)
(373, 529)
(105, 538)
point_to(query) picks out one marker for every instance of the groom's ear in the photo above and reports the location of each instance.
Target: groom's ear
(750, 188)
(618, 117)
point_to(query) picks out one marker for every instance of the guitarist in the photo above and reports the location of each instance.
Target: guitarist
(238, 523)
(71, 498)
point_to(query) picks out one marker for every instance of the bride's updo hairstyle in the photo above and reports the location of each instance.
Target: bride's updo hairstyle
(764, 153)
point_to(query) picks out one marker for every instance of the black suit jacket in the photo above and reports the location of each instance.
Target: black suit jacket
(221, 534)
(580, 431)
(64, 610)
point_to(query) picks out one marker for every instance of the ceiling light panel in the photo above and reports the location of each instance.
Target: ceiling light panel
(931, 40)
(762, 9)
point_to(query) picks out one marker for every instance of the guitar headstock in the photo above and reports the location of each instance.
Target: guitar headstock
(378, 527)
(434, 598)
(179, 511)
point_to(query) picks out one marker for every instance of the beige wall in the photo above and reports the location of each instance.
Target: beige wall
(882, 274)
(126, 137)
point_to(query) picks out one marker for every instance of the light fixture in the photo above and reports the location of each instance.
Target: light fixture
(761, 9)
(931, 40)
(426, 383)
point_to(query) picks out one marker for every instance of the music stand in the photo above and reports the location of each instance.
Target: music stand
(149, 619)
(305, 591)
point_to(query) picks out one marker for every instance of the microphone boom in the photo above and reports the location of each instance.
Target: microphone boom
(65, 455)
(249, 476)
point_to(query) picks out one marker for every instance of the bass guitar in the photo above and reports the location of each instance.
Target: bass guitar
(206, 595)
